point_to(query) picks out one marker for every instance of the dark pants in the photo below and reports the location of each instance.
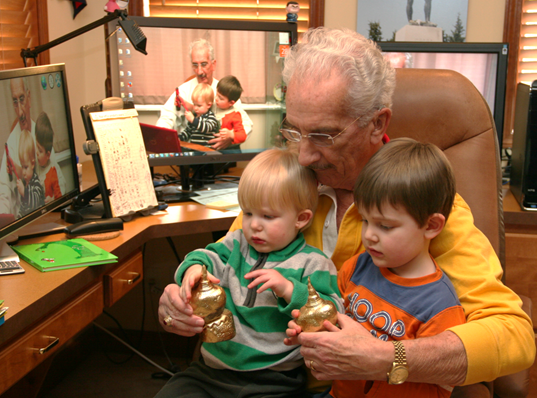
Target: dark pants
(200, 381)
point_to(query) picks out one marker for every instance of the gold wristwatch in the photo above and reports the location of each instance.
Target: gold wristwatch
(399, 371)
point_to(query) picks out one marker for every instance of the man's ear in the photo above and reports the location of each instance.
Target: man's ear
(380, 125)
(435, 224)
(303, 218)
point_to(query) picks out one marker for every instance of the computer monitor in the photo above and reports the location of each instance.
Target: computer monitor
(34, 102)
(484, 64)
(254, 52)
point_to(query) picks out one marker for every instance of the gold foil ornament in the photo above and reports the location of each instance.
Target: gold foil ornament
(208, 302)
(315, 312)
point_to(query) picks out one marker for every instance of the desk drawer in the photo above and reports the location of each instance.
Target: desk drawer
(35, 346)
(122, 279)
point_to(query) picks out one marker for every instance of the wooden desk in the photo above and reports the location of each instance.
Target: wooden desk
(59, 304)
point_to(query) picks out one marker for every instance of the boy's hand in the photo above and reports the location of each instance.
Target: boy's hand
(20, 186)
(293, 330)
(191, 277)
(270, 278)
(189, 115)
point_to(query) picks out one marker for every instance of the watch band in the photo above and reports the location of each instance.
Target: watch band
(400, 353)
(399, 371)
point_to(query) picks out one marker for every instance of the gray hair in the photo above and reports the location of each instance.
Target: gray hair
(325, 51)
(202, 43)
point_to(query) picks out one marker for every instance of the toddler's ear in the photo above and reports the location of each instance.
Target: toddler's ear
(232, 102)
(303, 218)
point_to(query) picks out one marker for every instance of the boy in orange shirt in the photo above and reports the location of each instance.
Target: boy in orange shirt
(395, 289)
(44, 138)
(228, 91)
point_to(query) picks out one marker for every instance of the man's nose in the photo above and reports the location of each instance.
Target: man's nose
(307, 152)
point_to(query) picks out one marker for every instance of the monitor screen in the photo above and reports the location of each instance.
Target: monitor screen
(38, 172)
(254, 52)
(484, 64)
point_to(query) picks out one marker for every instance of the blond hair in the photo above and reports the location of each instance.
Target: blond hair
(204, 92)
(26, 147)
(276, 178)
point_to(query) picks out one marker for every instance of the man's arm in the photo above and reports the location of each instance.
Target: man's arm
(168, 114)
(352, 353)
(498, 337)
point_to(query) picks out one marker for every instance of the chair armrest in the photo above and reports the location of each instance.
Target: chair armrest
(478, 390)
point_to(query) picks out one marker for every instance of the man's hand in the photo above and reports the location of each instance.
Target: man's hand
(183, 322)
(346, 353)
(221, 140)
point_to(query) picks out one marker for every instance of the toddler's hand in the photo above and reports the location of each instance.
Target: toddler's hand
(270, 278)
(293, 330)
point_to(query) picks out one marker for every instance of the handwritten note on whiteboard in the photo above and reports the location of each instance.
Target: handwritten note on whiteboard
(124, 161)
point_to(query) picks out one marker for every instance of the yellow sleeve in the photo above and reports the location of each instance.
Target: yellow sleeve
(498, 336)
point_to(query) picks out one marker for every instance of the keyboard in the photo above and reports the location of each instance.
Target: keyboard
(10, 267)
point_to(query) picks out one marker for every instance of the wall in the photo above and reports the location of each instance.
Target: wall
(482, 26)
(84, 58)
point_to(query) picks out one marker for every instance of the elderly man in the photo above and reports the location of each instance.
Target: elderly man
(203, 65)
(336, 137)
(10, 168)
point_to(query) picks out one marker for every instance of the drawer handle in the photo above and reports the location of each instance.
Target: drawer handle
(53, 342)
(136, 277)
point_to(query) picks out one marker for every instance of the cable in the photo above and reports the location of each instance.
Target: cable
(133, 349)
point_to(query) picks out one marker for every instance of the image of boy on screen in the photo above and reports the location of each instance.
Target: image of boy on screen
(28, 184)
(228, 92)
(394, 288)
(202, 124)
(44, 138)
(264, 268)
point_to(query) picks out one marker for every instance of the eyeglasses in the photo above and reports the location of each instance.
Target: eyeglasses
(318, 139)
(203, 65)
(21, 100)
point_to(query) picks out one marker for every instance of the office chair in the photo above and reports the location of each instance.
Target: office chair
(444, 108)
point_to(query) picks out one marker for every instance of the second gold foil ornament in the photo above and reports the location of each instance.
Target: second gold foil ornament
(315, 312)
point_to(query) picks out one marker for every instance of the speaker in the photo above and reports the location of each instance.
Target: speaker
(523, 178)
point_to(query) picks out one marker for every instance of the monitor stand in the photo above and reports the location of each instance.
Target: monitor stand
(82, 209)
(184, 193)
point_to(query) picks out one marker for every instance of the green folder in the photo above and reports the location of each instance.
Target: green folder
(63, 254)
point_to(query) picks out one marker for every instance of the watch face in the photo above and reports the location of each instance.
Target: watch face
(398, 375)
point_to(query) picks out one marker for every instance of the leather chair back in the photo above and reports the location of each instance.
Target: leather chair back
(444, 108)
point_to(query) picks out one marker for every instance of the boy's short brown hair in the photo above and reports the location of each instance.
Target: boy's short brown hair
(230, 87)
(410, 174)
(44, 134)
